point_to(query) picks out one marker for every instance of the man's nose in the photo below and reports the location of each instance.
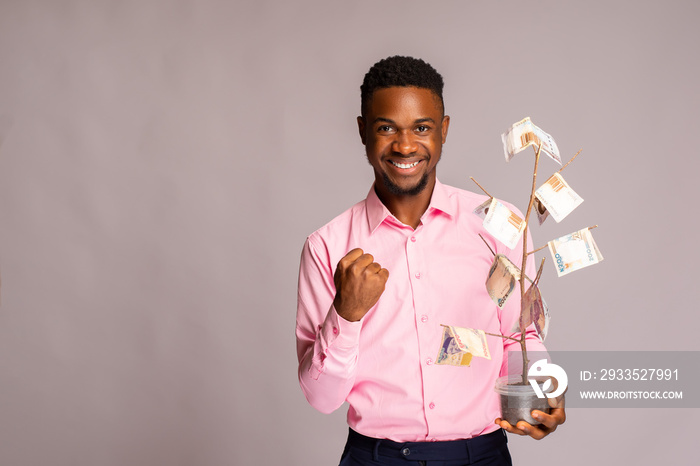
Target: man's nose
(405, 143)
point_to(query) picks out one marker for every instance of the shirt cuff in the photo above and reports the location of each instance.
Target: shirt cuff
(338, 332)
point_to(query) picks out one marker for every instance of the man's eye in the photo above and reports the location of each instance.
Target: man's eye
(385, 129)
(423, 128)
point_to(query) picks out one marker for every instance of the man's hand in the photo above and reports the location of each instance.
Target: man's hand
(359, 282)
(548, 422)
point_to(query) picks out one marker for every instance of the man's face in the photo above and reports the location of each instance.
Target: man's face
(403, 131)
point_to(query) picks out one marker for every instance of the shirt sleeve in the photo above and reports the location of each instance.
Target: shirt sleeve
(510, 313)
(327, 344)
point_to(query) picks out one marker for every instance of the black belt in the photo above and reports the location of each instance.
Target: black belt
(469, 449)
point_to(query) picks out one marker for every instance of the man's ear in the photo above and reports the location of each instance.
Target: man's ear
(445, 126)
(362, 129)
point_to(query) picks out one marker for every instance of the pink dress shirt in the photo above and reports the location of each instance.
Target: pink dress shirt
(383, 365)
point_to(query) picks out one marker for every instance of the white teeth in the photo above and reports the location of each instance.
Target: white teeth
(404, 165)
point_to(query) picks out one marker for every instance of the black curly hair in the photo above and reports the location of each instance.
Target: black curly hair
(401, 72)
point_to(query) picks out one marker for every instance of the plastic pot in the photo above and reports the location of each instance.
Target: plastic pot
(518, 401)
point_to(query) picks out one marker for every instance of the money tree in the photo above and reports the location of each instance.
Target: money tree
(569, 253)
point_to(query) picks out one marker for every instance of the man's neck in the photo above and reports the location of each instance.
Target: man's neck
(407, 209)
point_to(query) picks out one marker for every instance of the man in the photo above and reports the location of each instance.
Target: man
(377, 282)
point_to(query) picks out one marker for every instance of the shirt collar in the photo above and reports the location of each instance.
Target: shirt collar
(377, 212)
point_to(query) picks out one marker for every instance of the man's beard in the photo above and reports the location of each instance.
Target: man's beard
(399, 191)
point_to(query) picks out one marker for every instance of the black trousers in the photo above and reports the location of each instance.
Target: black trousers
(489, 449)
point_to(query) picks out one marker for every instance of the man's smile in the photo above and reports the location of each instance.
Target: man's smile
(407, 167)
(404, 165)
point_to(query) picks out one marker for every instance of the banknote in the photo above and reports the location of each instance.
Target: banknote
(557, 198)
(524, 134)
(450, 353)
(501, 280)
(542, 321)
(460, 344)
(472, 341)
(502, 223)
(534, 310)
(483, 209)
(542, 212)
(574, 251)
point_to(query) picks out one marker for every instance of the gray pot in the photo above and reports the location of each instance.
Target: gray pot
(518, 401)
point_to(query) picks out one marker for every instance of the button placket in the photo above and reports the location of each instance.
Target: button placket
(415, 258)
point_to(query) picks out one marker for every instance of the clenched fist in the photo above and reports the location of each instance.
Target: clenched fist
(359, 282)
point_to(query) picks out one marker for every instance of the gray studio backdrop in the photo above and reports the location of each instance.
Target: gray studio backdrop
(161, 164)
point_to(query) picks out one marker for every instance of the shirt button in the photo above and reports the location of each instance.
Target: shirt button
(418, 275)
(335, 330)
(433, 440)
(413, 238)
(431, 406)
(429, 361)
(424, 318)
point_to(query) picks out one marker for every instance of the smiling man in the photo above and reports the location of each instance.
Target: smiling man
(403, 130)
(377, 282)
